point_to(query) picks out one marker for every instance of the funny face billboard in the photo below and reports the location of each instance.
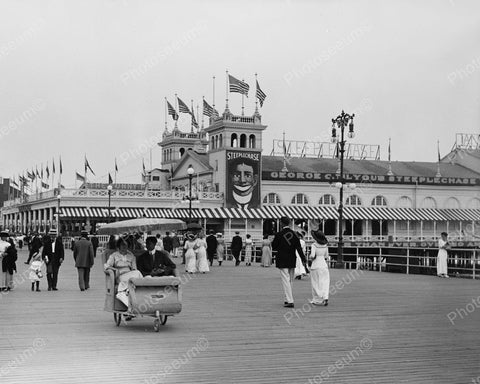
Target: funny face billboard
(243, 179)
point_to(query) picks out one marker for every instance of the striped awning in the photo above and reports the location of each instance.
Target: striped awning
(277, 211)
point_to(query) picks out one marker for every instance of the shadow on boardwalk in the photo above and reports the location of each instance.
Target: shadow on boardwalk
(378, 328)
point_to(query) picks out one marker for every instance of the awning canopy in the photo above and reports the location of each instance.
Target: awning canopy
(277, 211)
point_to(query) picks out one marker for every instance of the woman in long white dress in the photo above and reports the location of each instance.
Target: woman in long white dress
(299, 268)
(320, 275)
(442, 257)
(248, 250)
(220, 248)
(190, 247)
(266, 252)
(202, 261)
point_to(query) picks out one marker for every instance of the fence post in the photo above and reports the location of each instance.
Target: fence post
(408, 261)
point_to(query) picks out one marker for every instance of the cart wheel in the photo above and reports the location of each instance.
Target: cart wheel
(118, 318)
(163, 319)
(156, 325)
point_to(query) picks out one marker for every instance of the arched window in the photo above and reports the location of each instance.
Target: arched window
(474, 203)
(182, 151)
(234, 140)
(327, 200)
(212, 142)
(353, 200)
(220, 141)
(216, 141)
(452, 203)
(379, 201)
(429, 202)
(300, 198)
(243, 141)
(271, 198)
(251, 141)
(404, 202)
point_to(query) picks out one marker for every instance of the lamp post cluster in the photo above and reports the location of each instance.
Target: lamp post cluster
(341, 121)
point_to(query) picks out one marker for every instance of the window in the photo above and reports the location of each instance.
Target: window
(299, 198)
(155, 178)
(271, 198)
(452, 203)
(429, 202)
(216, 141)
(212, 142)
(251, 141)
(327, 200)
(379, 201)
(243, 141)
(182, 151)
(404, 202)
(474, 203)
(220, 141)
(216, 165)
(353, 200)
(234, 140)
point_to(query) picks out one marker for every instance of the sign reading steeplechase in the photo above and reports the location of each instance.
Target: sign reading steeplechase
(374, 179)
(243, 184)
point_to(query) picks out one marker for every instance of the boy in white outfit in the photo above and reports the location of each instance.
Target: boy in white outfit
(319, 273)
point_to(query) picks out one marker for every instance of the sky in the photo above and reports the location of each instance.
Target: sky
(90, 77)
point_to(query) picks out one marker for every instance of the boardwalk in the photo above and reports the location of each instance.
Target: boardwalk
(379, 328)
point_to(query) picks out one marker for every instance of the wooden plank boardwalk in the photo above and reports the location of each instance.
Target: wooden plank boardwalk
(379, 328)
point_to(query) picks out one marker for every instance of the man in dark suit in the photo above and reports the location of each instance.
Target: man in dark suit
(95, 243)
(212, 244)
(167, 243)
(286, 243)
(155, 263)
(236, 247)
(83, 256)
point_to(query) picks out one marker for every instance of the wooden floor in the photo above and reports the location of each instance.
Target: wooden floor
(378, 328)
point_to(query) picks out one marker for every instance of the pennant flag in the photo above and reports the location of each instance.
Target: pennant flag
(261, 96)
(79, 177)
(31, 176)
(389, 152)
(143, 166)
(207, 109)
(61, 168)
(172, 112)
(110, 180)
(47, 171)
(41, 172)
(238, 86)
(53, 166)
(182, 107)
(23, 180)
(87, 167)
(438, 149)
(45, 185)
(116, 166)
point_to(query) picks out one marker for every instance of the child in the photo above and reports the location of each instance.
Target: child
(36, 271)
(320, 276)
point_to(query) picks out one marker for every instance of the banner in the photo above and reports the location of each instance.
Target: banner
(243, 179)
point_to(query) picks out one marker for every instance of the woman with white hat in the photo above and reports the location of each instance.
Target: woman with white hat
(319, 273)
(190, 250)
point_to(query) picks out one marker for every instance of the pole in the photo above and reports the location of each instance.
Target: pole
(58, 216)
(109, 206)
(190, 198)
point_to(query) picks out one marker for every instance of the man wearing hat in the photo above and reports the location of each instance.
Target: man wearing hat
(212, 244)
(236, 247)
(53, 253)
(8, 256)
(83, 256)
(286, 243)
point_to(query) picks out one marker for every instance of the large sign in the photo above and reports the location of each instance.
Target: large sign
(374, 179)
(467, 141)
(297, 148)
(243, 179)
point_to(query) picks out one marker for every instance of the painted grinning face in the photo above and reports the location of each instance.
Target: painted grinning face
(244, 180)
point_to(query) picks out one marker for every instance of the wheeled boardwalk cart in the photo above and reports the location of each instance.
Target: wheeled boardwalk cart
(158, 297)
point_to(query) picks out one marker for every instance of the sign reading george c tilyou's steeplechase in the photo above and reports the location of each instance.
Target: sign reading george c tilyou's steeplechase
(374, 179)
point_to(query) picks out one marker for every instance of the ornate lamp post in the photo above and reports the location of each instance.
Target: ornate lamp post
(190, 172)
(109, 189)
(341, 121)
(59, 198)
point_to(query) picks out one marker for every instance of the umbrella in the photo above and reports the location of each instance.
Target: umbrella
(142, 225)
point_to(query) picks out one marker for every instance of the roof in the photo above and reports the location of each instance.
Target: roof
(367, 167)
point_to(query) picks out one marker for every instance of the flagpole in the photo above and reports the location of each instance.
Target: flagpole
(150, 159)
(176, 109)
(438, 162)
(203, 107)
(284, 169)
(389, 173)
(115, 180)
(197, 117)
(256, 90)
(214, 93)
(193, 114)
(166, 115)
(226, 89)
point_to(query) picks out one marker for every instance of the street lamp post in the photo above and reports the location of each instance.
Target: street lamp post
(341, 121)
(109, 188)
(59, 198)
(190, 172)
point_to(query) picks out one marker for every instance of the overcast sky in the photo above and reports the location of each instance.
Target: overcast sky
(91, 76)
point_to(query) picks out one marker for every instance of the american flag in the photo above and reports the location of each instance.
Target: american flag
(194, 121)
(207, 109)
(47, 171)
(261, 96)
(182, 107)
(172, 112)
(238, 86)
